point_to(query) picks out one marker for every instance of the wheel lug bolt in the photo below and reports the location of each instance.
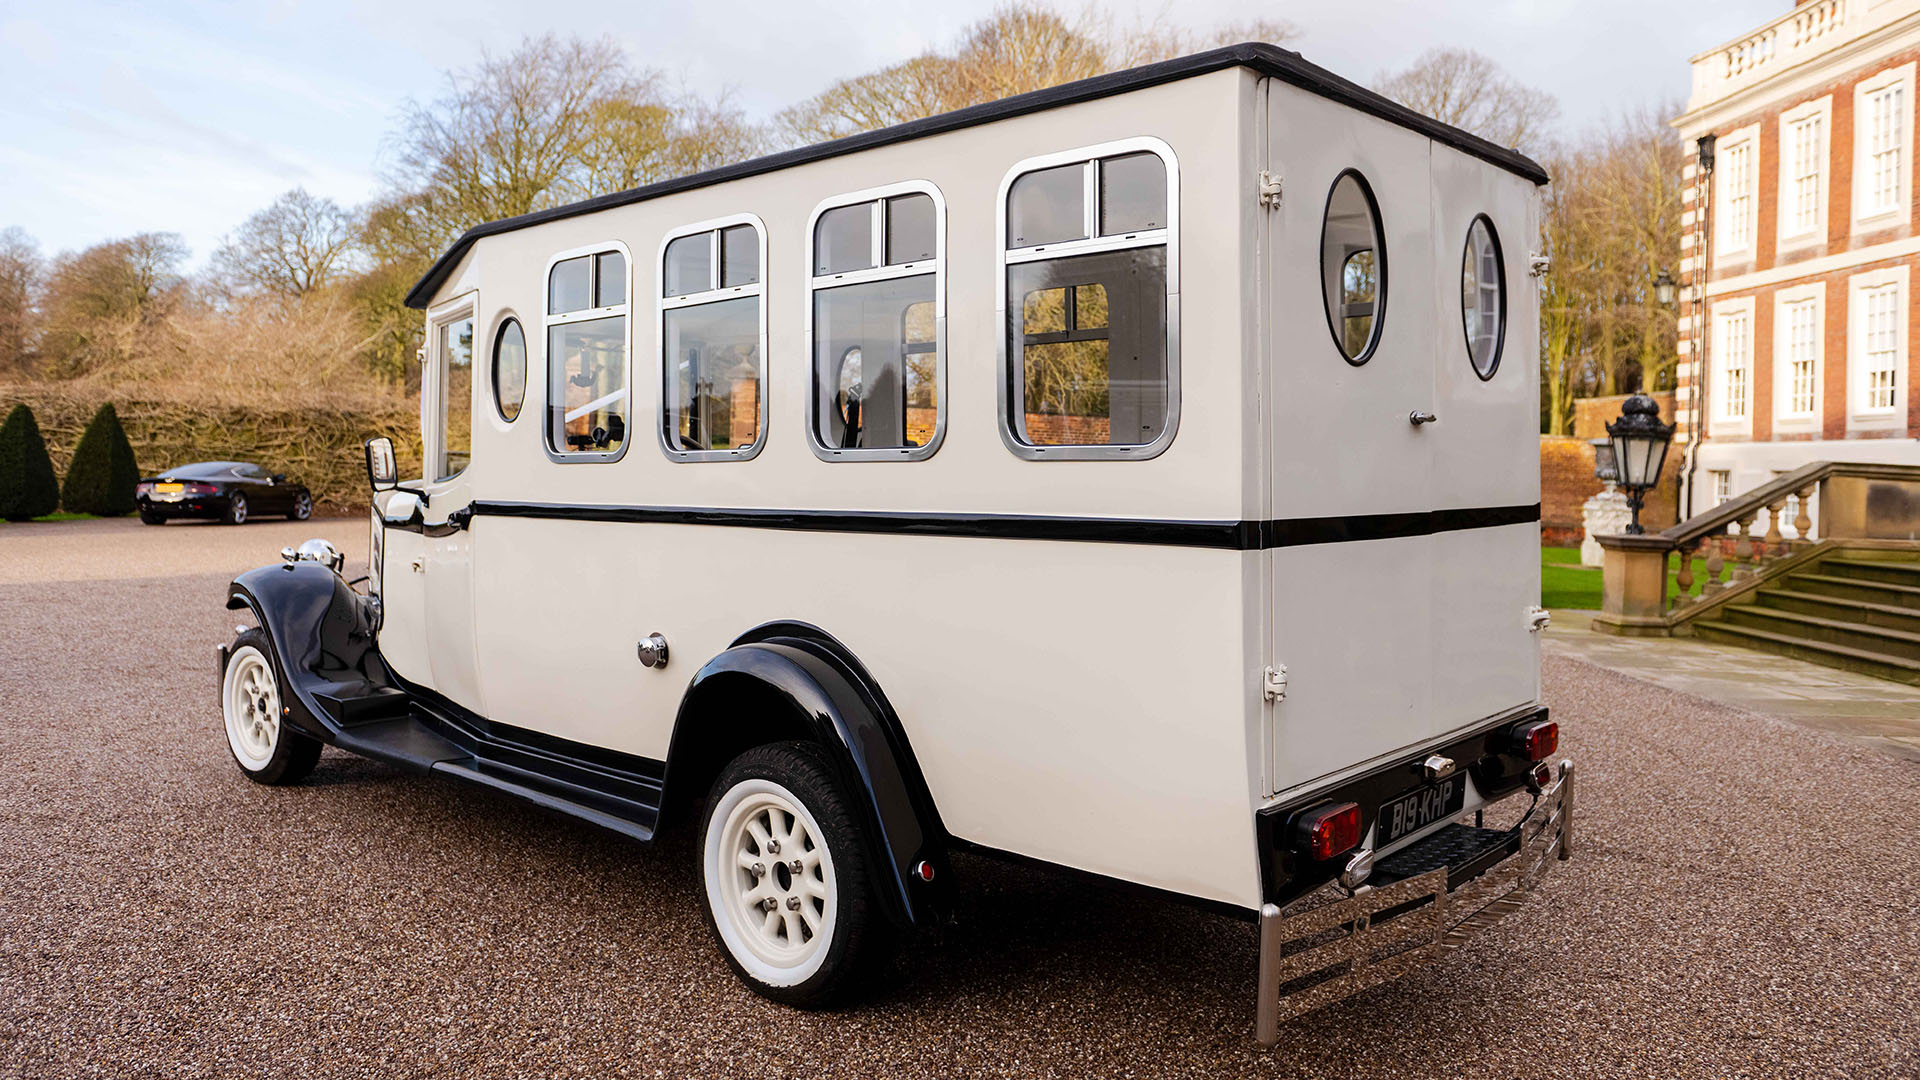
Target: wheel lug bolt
(773, 847)
(759, 870)
(769, 903)
(797, 868)
(793, 903)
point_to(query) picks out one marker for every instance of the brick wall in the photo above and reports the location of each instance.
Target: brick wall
(1591, 415)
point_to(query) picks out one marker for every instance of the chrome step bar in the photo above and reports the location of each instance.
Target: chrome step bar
(1379, 934)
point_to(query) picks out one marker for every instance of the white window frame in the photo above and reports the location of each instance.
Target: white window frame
(1728, 243)
(1785, 417)
(1721, 482)
(1094, 243)
(880, 271)
(1860, 415)
(433, 439)
(1791, 233)
(714, 294)
(549, 320)
(1722, 422)
(1868, 218)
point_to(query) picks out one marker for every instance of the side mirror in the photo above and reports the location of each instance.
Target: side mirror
(383, 471)
(279, 478)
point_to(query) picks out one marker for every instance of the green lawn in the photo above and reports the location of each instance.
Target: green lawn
(62, 515)
(1564, 583)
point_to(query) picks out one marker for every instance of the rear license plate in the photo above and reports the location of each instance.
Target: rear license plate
(1411, 813)
(166, 488)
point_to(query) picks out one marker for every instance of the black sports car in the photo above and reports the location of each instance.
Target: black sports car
(230, 491)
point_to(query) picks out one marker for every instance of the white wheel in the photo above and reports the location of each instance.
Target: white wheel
(302, 507)
(267, 749)
(770, 882)
(251, 696)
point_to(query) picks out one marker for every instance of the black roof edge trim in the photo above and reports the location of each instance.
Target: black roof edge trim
(1269, 60)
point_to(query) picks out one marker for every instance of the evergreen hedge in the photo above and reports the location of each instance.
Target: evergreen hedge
(28, 488)
(103, 474)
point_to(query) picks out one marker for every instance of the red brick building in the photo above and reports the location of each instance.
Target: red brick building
(1799, 247)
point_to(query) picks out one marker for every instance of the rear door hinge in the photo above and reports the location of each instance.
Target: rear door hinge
(1270, 186)
(1539, 265)
(1274, 683)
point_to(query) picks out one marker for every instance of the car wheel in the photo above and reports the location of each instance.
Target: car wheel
(149, 518)
(789, 891)
(236, 509)
(302, 507)
(267, 750)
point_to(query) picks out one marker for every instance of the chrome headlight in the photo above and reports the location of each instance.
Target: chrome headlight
(316, 550)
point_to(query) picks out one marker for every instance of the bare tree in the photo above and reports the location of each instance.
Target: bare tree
(1612, 223)
(298, 245)
(1021, 47)
(107, 305)
(19, 278)
(1466, 89)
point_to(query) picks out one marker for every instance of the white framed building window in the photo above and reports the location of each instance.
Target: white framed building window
(1877, 349)
(1088, 302)
(713, 340)
(1722, 480)
(1803, 173)
(1731, 389)
(877, 323)
(1882, 149)
(1737, 180)
(589, 342)
(1799, 335)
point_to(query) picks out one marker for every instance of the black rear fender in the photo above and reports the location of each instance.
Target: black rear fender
(787, 681)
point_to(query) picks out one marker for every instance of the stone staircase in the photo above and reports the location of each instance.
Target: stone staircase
(1851, 608)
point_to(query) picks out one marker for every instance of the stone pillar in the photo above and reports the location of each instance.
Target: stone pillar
(1603, 514)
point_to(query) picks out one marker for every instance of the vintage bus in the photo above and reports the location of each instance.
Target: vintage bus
(1138, 476)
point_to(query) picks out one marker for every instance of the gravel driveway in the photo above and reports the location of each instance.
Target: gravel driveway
(1743, 903)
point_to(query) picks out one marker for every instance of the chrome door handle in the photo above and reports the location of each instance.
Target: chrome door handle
(419, 564)
(1416, 418)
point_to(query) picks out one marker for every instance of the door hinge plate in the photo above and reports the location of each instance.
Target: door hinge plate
(1273, 683)
(1270, 187)
(1539, 265)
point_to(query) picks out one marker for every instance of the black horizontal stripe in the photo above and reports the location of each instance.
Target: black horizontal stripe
(1222, 535)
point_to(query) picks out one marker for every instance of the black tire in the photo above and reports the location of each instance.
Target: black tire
(147, 518)
(861, 936)
(302, 508)
(236, 512)
(294, 753)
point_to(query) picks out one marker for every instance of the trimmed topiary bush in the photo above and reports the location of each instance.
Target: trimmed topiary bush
(28, 488)
(102, 476)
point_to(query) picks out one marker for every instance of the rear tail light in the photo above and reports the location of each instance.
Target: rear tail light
(1537, 742)
(200, 489)
(1326, 831)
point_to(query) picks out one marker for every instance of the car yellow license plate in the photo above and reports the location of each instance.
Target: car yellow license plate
(169, 488)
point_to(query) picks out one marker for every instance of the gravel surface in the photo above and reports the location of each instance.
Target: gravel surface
(1743, 903)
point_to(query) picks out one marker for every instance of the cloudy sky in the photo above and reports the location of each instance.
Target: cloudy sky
(186, 115)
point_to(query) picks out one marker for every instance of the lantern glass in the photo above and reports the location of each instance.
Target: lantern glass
(1639, 459)
(1663, 288)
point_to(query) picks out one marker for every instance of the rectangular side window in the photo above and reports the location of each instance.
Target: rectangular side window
(1091, 370)
(876, 326)
(587, 392)
(713, 343)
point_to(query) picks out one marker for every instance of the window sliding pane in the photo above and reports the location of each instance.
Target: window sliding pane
(713, 375)
(739, 256)
(1133, 194)
(1048, 206)
(568, 286)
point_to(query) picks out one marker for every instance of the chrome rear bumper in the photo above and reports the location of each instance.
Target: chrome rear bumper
(1322, 955)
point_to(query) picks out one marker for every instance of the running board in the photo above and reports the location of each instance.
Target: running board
(427, 740)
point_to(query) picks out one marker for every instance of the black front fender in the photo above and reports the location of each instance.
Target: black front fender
(809, 681)
(322, 633)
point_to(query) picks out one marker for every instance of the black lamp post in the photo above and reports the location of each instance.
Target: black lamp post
(1639, 450)
(1663, 287)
